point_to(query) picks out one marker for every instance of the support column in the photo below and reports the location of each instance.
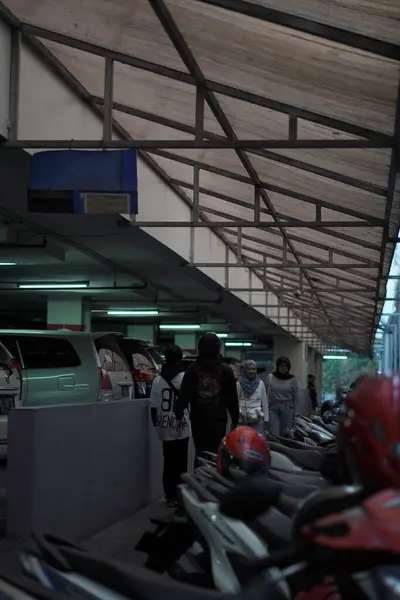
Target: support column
(68, 312)
(318, 372)
(310, 361)
(295, 350)
(143, 331)
(187, 342)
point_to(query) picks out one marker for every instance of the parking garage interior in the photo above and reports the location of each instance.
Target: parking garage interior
(267, 207)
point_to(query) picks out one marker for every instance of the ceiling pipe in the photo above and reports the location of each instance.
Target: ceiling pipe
(16, 246)
(71, 290)
(194, 303)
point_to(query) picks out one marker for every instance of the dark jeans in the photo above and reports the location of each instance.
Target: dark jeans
(207, 435)
(175, 464)
(280, 419)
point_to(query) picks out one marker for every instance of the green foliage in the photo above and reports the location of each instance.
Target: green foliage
(344, 371)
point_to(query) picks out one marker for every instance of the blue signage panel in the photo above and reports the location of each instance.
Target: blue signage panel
(85, 171)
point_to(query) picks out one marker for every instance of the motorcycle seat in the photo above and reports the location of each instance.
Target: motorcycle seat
(298, 491)
(274, 528)
(293, 443)
(283, 463)
(309, 459)
(324, 426)
(286, 505)
(312, 480)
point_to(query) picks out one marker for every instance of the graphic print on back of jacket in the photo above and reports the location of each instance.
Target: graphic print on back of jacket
(207, 400)
(163, 399)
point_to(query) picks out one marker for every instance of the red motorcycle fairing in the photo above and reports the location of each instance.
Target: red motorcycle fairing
(373, 527)
(323, 591)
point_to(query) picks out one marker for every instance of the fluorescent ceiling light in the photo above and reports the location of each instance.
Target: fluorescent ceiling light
(332, 357)
(180, 327)
(7, 264)
(222, 335)
(132, 313)
(52, 286)
(241, 344)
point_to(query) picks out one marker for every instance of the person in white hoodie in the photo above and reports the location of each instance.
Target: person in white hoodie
(174, 435)
(253, 401)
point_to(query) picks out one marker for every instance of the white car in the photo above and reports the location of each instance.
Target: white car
(10, 392)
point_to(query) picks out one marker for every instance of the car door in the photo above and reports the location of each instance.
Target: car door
(50, 363)
(11, 344)
(112, 360)
(10, 382)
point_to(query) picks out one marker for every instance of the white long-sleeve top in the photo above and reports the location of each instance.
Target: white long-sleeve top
(256, 405)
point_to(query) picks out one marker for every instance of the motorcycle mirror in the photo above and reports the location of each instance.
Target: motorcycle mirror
(250, 499)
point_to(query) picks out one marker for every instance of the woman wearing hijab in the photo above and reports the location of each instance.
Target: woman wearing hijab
(175, 440)
(253, 401)
(209, 389)
(283, 395)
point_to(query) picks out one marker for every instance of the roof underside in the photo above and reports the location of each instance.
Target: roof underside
(267, 70)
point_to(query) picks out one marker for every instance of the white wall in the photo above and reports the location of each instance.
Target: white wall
(49, 109)
(5, 54)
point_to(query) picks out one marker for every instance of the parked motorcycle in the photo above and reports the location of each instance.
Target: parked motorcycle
(343, 547)
(180, 545)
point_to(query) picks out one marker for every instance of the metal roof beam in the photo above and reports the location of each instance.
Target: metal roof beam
(367, 221)
(279, 158)
(393, 174)
(283, 265)
(73, 83)
(319, 277)
(347, 308)
(288, 222)
(268, 226)
(348, 268)
(213, 144)
(178, 41)
(264, 185)
(326, 121)
(311, 27)
(337, 291)
(325, 247)
(292, 276)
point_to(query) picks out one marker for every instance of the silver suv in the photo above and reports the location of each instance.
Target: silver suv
(57, 367)
(10, 392)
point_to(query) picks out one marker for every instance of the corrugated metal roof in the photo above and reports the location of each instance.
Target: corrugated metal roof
(309, 70)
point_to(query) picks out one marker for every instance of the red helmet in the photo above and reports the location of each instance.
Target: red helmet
(243, 449)
(369, 433)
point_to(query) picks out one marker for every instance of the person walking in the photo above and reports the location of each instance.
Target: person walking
(283, 397)
(253, 401)
(312, 391)
(174, 436)
(209, 389)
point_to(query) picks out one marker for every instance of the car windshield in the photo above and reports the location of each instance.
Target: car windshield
(138, 356)
(155, 354)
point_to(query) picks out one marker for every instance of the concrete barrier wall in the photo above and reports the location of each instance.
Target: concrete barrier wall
(74, 470)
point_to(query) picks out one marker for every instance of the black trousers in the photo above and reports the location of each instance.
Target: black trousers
(207, 434)
(175, 464)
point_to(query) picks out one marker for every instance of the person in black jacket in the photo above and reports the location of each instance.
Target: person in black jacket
(209, 389)
(312, 391)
